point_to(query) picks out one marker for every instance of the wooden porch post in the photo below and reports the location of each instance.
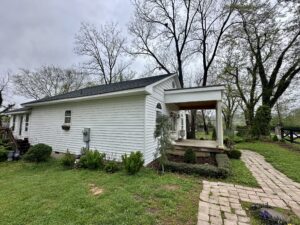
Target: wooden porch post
(219, 124)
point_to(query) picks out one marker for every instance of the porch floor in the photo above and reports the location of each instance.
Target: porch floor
(200, 145)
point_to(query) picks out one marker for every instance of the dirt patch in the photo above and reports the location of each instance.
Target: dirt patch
(171, 187)
(95, 190)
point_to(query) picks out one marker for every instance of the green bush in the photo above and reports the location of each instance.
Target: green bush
(133, 163)
(112, 167)
(220, 171)
(234, 154)
(68, 160)
(214, 134)
(38, 153)
(198, 169)
(224, 165)
(3, 154)
(189, 156)
(275, 138)
(262, 120)
(92, 160)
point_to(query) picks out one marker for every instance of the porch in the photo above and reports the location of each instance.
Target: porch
(196, 98)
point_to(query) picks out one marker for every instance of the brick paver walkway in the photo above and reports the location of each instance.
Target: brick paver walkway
(220, 203)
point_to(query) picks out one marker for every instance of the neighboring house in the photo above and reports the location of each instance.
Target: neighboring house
(119, 117)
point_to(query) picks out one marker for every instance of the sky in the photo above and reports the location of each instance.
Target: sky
(39, 32)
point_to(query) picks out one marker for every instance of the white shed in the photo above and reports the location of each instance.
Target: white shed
(120, 117)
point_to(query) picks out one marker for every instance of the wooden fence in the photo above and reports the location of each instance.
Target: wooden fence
(290, 134)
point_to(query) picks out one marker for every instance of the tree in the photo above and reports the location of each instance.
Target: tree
(48, 81)
(4, 81)
(162, 31)
(231, 103)
(213, 21)
(162, 133)
(104, 49)
(240, 69)
(274, 41)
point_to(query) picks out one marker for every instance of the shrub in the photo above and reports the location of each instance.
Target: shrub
(234, 154)
(92, 160)
(214, 134)
(3, 154)
(275, 138)
(68, 160)
(229, 143)
(262, 120)
(133, 163)
(189, 156)
(220, 171)
(111, 167)
(198, 169)
(38, 153)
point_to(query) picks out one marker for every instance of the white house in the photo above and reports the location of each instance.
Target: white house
(116, 119)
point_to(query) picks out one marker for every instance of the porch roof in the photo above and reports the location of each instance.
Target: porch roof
(195, 98)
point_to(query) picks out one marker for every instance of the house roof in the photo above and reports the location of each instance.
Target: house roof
(103, 89)
(16, 111)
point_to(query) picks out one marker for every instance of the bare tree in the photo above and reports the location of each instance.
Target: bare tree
(275, 44)
(48, 81)
(3, 85)
(162, 30)
(4, 82)
(104, 49)
(214, 18)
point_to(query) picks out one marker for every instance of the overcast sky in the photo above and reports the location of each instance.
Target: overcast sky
(40, 32)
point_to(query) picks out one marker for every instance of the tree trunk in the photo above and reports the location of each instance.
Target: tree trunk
(180, 71)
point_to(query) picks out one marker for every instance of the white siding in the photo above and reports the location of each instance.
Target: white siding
(150, 116)
(16, 132)
(117, 125)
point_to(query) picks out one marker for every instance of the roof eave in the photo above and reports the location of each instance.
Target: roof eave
(128, 92)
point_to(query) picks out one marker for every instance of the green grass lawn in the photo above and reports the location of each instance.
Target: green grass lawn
(47, 194)
(284, 159)
(240, 174)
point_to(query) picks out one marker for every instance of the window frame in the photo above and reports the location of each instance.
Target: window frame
(26, 122)
(68, 118)
(14, 123)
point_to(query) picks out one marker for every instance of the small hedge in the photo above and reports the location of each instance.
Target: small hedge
(111, 167)
(189, 156)
(275, 138)
(234, 154)
(38, 153)
(92, 160)
(68, 160)
(133, 163)
(3, 154)
(222, 171)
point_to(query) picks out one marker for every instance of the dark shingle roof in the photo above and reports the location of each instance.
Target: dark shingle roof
(102, 89)
(16, 110)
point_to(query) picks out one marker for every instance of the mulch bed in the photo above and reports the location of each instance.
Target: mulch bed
(199, 160)
(180, 159)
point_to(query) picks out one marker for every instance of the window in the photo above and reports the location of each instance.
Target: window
(68, 116)
(26, 122)
(14, 123)
(21, 125)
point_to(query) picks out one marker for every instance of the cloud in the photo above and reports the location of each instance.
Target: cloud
(35, 32)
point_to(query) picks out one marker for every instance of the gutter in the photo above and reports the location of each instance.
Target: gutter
(92, 97)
